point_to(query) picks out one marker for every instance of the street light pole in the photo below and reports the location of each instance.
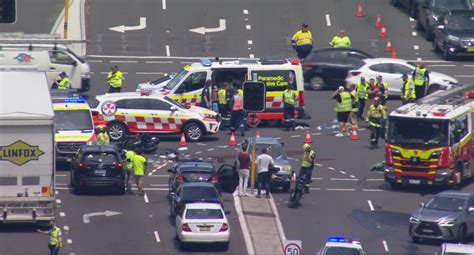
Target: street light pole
(66, 17)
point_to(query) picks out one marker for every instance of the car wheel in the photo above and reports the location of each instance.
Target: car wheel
(193, 132)
(446, 55)
(419, 26)
(415, 239)
(429, 34)
(461, 236)
(117, 131)
(395, 2)
(121, 190)
(317, 83)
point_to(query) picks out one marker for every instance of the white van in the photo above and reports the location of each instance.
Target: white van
(50, 58)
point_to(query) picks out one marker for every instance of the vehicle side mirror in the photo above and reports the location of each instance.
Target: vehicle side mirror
(173, 108)
(170, 171)
(422, 205)
(440, 27)
(74, 63)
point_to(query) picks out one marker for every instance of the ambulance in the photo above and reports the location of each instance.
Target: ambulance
(72, 123)
(186, 86)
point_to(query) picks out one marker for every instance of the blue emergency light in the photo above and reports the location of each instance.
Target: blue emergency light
(337, 239)
(205, 62)
(74, 100)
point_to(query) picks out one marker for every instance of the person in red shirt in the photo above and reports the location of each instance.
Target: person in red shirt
(243, 164)
(372, 92)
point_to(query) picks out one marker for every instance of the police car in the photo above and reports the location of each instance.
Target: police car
(337, 245)
(146, 112)
(72, 122)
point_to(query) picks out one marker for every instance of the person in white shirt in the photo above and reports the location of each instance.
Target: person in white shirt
(264, 161)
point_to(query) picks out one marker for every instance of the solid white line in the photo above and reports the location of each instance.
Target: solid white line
(123, 61)
(374, 180)
(352, 176)
(198, 152)
(294, 136)
(251, 56)
(342, 179)
(62, 214)
(416, 47)
(375, 190)
(385, 246)
(158, 62)
(163, 4)
(243, 225)
(342, 172)
(246, 12)
(186, 62)
(317, 164)
(161, 175)
(249, 42)
(316, 178)
(248, 27)
(69, 241)
(329, 189)
(331, 168)
(62, 188)
(413, 33)
(314, 188)
(159, 185)
(145, 197)
(153, 171)
(443, 65)
(202, 144)
(464, 76)
(66, 228)
(371, 206)
(211, 149)
(328, 20)
(223, 146)
(468, 65)
(157, 237)
(149, 73)
(155, 189)
(94, 61)
(167, 50)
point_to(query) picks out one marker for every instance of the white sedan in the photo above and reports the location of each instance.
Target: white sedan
(392, 70)
(202, 223)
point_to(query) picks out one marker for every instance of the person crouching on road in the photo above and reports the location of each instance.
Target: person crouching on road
(307, 165)
(343, 108)
(289, 99)
(139, 165)
(243, 164)
(102, 136)
(130, 172)
(355, 107)
(263, 161)
(55, 239)
(236, 104)
(376, 117)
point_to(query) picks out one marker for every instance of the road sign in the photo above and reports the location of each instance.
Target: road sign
(292, 247)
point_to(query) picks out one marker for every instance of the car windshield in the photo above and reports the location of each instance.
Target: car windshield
(461, 22)
(176, 79)
(199, 193)
(276, 150)
(452, 4)
(72, 120)
(202, 214)
(451, 204)
(342, 251)
(100, 157)
(171, 101)
(417, 132)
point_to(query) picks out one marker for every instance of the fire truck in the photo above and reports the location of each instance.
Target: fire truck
(430, 142)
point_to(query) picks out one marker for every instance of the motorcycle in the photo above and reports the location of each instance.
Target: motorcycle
(143, 142)
(297, 189)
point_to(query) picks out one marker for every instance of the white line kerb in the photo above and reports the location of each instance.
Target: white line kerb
(163, 3)
(385, 246)
(328, 20)
(157, 237)
(145, 197)
(371, 206)
(167, 50)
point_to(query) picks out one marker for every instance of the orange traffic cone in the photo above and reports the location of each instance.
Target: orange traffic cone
(388, 47)
(359, 11)
(307, 138)
(378, 22)
(232, 141)
(354, 135)
(182, 142)
(383, 32)
(394, 53)
(257, 134)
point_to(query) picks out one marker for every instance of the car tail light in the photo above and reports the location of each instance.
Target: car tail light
(355, 73)
(119, 165)
(82, 165)
(224, 227)
(186, 227)
(179, 178)
(214, 179)
(301, 98)
(388, 155)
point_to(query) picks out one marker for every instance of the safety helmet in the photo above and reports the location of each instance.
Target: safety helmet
(306, 147)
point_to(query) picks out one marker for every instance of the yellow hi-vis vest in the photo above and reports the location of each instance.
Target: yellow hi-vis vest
(115, 80)
(54, 237)
(341, 42)
(308, 158)
(385, 87)
(103, 138)
(129, 156)
(302, 38)
(406, 86)
(346, 102)
(221, 95)
(63, 84)
(362, 90)
(419, 76)
(289, 96)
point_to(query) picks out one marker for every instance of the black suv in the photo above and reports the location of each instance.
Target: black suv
(455, 33)
(411, 5)
(328, 67)
(97, 165)
(429, 12)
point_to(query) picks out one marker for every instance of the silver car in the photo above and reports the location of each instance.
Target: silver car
(447, 216)
(455, 249)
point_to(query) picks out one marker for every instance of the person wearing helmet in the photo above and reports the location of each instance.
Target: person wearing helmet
(102, 136)
(376, 117)
(383, 89)
(302, 41)
(307, 165)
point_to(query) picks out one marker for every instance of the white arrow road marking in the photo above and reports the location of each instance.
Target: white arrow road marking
(86, 217)
(203, 30)
(123, 28)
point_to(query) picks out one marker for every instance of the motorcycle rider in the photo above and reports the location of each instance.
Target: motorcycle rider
(307, 165)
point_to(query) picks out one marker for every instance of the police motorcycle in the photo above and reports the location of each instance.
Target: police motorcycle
(297, 189)
(143, 142)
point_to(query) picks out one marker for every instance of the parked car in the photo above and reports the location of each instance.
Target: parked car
(455, 249)
(447, 216)
(455, 34)
(429, 12)
(392, 71)
(192, 171)
(410, 5)
(328, 67)
(202, 223)
(277, 151)
(97, 166)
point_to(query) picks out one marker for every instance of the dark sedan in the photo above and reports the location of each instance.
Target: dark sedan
(328, 67)
(97, 165)
(194, 192)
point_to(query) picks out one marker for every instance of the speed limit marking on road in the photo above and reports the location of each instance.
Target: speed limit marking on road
(292, 247)
(109, 108)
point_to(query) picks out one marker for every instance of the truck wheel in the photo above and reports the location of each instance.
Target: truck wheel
(193, 132)
(117, 131)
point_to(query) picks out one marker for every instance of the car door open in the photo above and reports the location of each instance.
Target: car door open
(228, 178)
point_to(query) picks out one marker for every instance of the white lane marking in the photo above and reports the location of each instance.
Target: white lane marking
(246, 12)
(62, 214)
(362, 129)
(56, 192)
(294, 136)
(198, 152)
(374, 180)
(58, 201)
(314, 188)
(373, 190)
(157, 237)
(468, 65)
(154, 170)
(161, 175)
(223, 146)
(249, 42)
(443, 65)
(342, 172)
(158, 62)
(123, 61)
(329, 189)
(371, 206)
(167, 47)
(62, 188)
(69, 241)
(159, 185)
(277, 138)
(418, 59)
(464, 76)
(249, 48)
(248, 27)
(145, 197)
(251, 56)
(202, 144)
(342, 179)
(243, 224)
(352, 176)
(331, 168)
(186, 62)
(416, 47)
(328, 20)
(413, 33)
(211, 149)
(317, 164)
(66, 228)
(412, 19)
(163, 4)
(145, 73)
(316, 178)
(94, 61)
(155, 189)
(385, 246)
